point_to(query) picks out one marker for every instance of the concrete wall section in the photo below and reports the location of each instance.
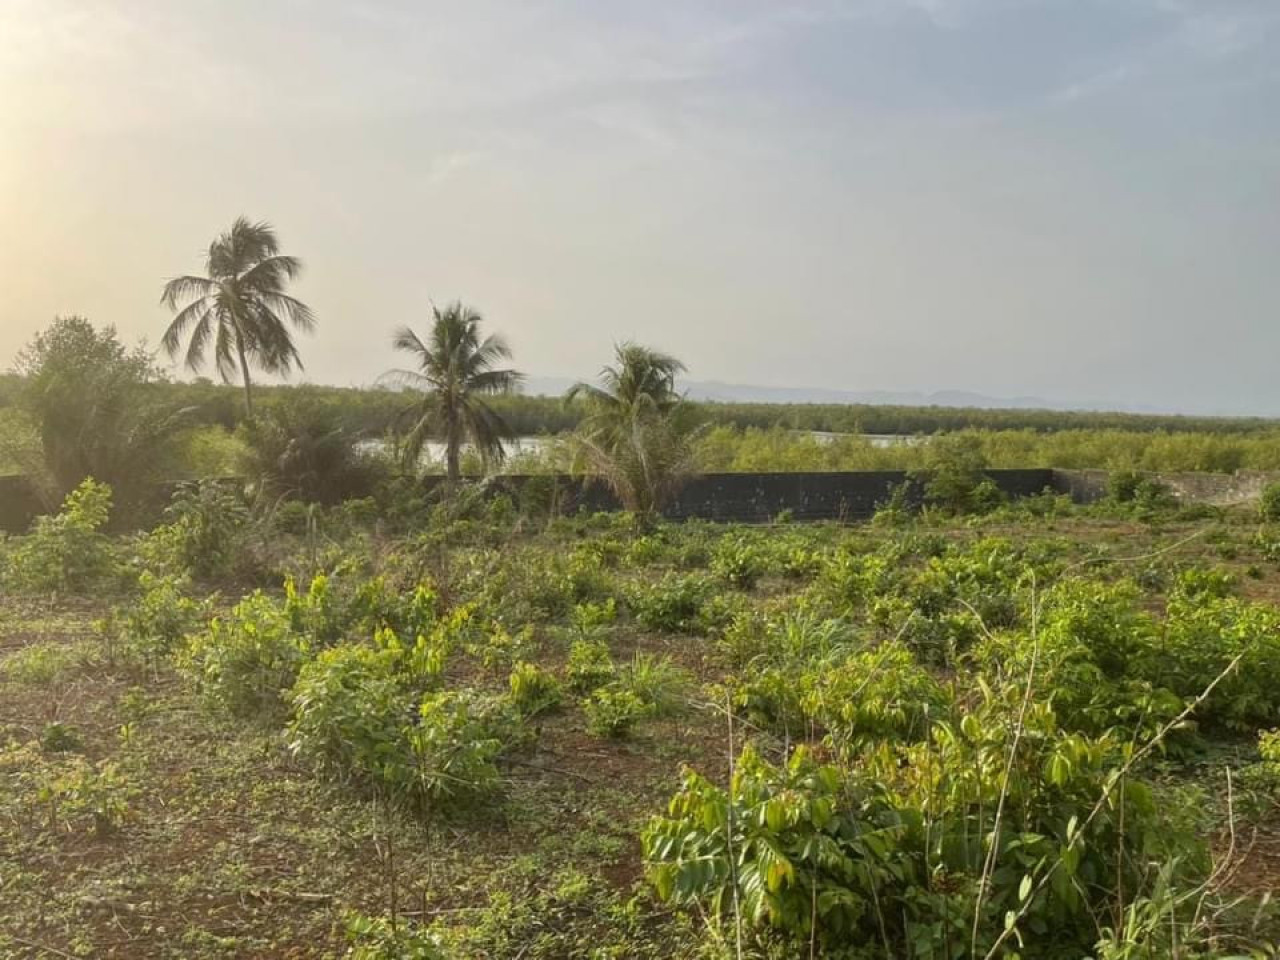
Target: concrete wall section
(19, 504)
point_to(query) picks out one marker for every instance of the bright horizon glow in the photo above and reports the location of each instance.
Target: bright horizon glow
(1068, 199)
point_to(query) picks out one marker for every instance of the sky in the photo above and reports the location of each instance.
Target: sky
(1071, 199)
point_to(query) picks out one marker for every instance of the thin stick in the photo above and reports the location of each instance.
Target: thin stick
(993, 850)
(733, 863)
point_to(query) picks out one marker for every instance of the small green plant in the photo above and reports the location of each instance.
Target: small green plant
(672, 605)
(533, 689)
(246, 662)
(954, 477)
(67, 552)
(81, 789)
(58, 737)
(1269, 502)
(613, 712)
(155, 624)
(380, 938)
(204, 524)
(738, 561)
(590, 665)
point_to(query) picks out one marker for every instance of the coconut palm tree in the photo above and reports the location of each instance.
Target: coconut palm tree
(455, 370)
(638, 434)
(640, 384)
(240, 307)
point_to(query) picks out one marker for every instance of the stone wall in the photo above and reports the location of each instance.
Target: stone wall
(756, 497)
(1216, 489)
(760, 497)
(19, 504)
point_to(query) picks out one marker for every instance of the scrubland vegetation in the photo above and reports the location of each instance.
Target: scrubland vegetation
(468, 728)
(308, 708)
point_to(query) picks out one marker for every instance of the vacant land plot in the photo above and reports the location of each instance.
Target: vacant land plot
(1041, 735)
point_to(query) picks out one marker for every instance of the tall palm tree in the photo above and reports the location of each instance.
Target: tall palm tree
(638, 433)
(240, 307)
(456, 369)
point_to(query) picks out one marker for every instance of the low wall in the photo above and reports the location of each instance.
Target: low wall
(19, 504)
(1216, 489)
(754, 497)
(760, 497)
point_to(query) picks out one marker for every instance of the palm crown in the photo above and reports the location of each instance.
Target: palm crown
(455, 369)
(240, 308)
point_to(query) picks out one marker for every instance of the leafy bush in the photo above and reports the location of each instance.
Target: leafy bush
(954, 477)
(590, 665)
(874, 695)
(1203, 636)
(155, 623)
(203, 528)
(613, 712)
(366, 714)
(739, 561)
(1140, 494)
(66, 552)
(533, 689)
(378, 938)
(349, 706)
(75, 790)
(891, 851)
(1269, 502)
(672, 605)
(452, 748)
(246, 662)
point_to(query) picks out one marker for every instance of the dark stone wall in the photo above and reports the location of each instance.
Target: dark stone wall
(19, 504)
(754, 497)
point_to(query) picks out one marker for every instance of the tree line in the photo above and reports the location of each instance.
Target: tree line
(79, 403)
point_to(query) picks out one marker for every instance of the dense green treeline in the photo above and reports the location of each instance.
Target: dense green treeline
(211, 443)
(373, 410)
(731, 450)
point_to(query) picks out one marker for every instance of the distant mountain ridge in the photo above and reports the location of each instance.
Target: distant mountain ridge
(715, 390)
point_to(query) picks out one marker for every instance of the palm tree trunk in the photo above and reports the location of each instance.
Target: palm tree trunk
(452, 467)
(248, 386)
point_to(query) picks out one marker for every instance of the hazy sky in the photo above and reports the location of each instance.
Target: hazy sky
(1068, 198)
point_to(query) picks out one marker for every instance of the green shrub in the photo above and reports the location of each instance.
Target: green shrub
(673, 605)
(377, 938)
(452, 748)
(350, 705)
(590, 665)
(365, 714)
(1203, 636)
(891, 851)
(1269, 502)
(533, 689)
(67, 552)
(613, 712)
(738, 561)
(954, 477)
(155, 624)
(246, 662)
(881, 694)
(205, 524)
(78, 790)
